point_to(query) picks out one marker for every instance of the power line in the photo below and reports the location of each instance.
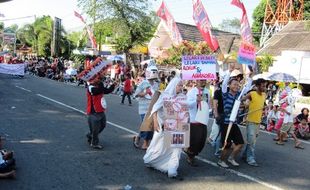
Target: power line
(18, 18)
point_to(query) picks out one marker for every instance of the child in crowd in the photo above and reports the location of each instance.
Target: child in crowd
(272, 118)
(288, 126)
(302, 130)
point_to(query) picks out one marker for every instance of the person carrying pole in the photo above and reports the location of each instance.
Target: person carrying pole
(230, 132)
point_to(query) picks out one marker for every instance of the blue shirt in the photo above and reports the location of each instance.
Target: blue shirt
(228, 104)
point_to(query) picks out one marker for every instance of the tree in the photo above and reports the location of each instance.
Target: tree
(230, 25)
(38, 35)
(130, 21)
(264, 62)
(175, 53)
(77, 39)
(259, 14)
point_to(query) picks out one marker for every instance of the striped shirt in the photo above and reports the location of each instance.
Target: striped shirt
(228, 104)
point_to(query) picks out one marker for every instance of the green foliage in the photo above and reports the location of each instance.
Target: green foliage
(264, 62)
(38, 35)
(259, 14)
(175, 53)
(128, 22)
(230, 25)
(77, 39)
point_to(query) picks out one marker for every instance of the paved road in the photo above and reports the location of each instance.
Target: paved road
(44, 124)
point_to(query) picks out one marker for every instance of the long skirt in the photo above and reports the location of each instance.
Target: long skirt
(161, 156)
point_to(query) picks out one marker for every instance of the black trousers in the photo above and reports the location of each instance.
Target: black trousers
(198, 135)
(96, 123)
(128, 96)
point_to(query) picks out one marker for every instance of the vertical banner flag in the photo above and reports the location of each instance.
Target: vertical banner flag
(203, 24)
(246, 54)
(246, 32)
(168, 19)
(89, 30)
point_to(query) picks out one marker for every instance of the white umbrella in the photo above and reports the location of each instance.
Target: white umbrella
(71, 71)
(261, 76)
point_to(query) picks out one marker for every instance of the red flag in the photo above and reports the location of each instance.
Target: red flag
(203, 24)
(89, 30)
(168, 19)
(246, 32)
(79, 16)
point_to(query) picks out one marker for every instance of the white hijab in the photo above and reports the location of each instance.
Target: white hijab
(169, 91)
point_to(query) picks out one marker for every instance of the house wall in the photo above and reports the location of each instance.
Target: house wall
(296, 63)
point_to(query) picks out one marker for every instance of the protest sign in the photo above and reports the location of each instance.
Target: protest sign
(198, 67)
(12, 69)
(97, 66)
(246, 54)
(176, 121)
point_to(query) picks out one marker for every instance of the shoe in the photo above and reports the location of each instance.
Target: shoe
(279, 143)
(88, 138)
(191, 162)
(176, 177)
(232, 161)
(253, 164)
(134, 142)
(98, 147)
(222, 164)
(130, 105)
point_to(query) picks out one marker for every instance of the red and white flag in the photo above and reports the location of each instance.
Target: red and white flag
(89, 30)
(169, 21)
(246, 31)
(203, 24)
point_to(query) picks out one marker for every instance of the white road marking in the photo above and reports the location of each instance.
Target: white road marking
(23, 88)
(273, 134)
(199, 158)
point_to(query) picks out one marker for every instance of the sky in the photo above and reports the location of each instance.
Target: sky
(180, 9)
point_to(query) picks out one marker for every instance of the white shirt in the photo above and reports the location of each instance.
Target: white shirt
(192, 102)
(288, 118)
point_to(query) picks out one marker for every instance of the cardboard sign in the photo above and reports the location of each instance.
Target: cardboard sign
(97, 66)
(176, 121)
(198, 67)
(246, 54)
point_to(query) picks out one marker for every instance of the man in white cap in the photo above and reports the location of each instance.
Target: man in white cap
(144, 93)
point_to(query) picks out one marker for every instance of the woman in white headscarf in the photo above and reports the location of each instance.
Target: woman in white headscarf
(160, 155)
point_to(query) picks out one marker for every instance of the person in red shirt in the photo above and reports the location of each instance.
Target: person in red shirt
(127, 89)
(96, 110)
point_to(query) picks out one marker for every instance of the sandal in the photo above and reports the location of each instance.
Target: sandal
(276, 139)
(135, 144)
(298, 146)
(191, 162)
(279, 143)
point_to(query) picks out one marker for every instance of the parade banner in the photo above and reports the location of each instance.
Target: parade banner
(176, 121)
(246, 54)
(168, 19)
(246, 32)
(97, 66)
(203, 24)
(89, 30)
(198, 67)
(12, 69)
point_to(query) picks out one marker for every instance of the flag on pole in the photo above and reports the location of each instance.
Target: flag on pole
(89, 30)
(203, 24)
(246, 32)
(169, 21)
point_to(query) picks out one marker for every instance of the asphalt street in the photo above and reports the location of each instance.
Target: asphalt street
(43, 122)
